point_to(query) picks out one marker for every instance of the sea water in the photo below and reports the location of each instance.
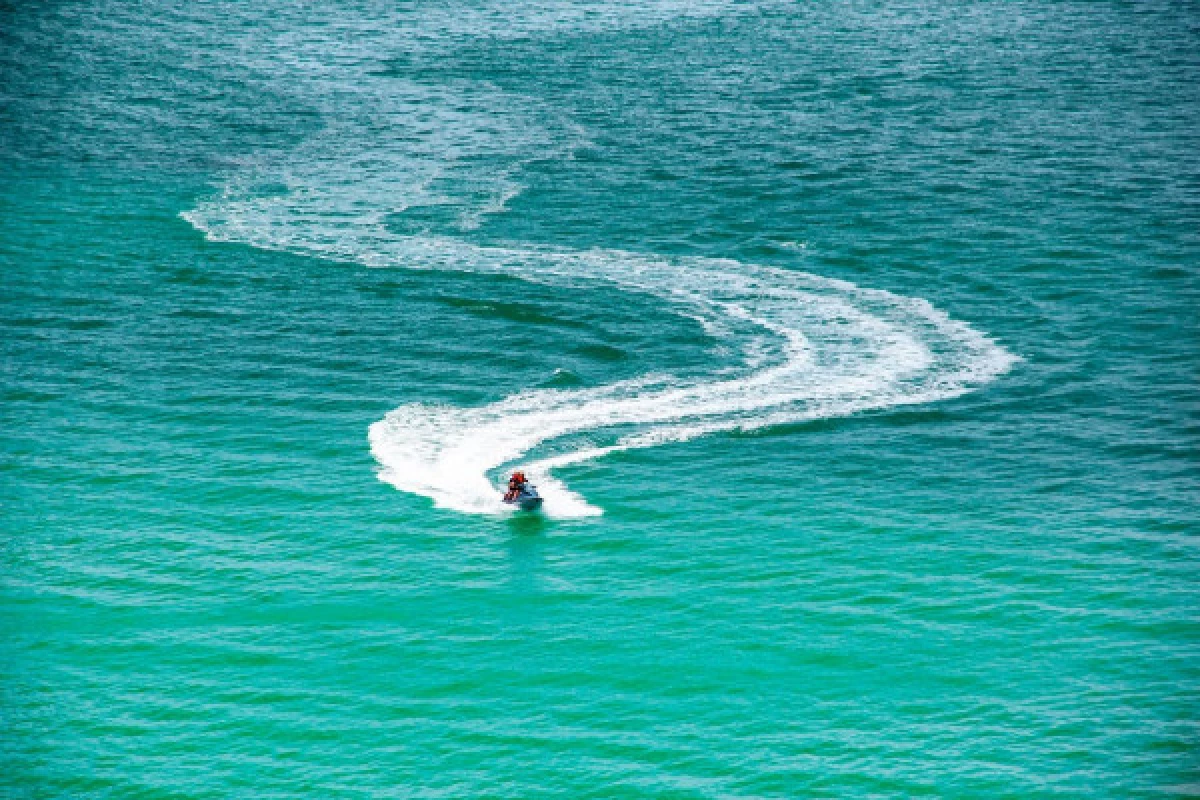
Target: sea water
(852, 346)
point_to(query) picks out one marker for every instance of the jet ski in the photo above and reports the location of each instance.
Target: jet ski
(527, 499)
(522, 494)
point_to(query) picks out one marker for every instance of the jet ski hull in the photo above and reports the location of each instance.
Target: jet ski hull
(527, 500)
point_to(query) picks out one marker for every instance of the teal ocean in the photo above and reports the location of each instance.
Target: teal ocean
(853, 345)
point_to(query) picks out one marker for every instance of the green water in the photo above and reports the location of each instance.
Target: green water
(853, 346)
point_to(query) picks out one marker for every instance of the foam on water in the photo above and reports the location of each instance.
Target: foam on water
(822, 348)
(403, 170)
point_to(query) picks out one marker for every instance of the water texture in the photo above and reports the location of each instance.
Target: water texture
(852, 345)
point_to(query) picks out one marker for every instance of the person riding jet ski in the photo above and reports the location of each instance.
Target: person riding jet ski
(515, 484)
(522, 493)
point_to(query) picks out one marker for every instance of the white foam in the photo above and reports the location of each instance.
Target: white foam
(814, 348)
(394, 150)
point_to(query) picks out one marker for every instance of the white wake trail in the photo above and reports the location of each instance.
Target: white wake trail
(403, 169)
(814, 348)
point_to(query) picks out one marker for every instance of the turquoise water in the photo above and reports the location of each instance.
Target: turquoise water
(853, 346)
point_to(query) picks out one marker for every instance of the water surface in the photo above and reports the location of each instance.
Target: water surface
(853, 347)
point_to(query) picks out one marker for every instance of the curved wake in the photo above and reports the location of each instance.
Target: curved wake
(813, 347)
(400, 162)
